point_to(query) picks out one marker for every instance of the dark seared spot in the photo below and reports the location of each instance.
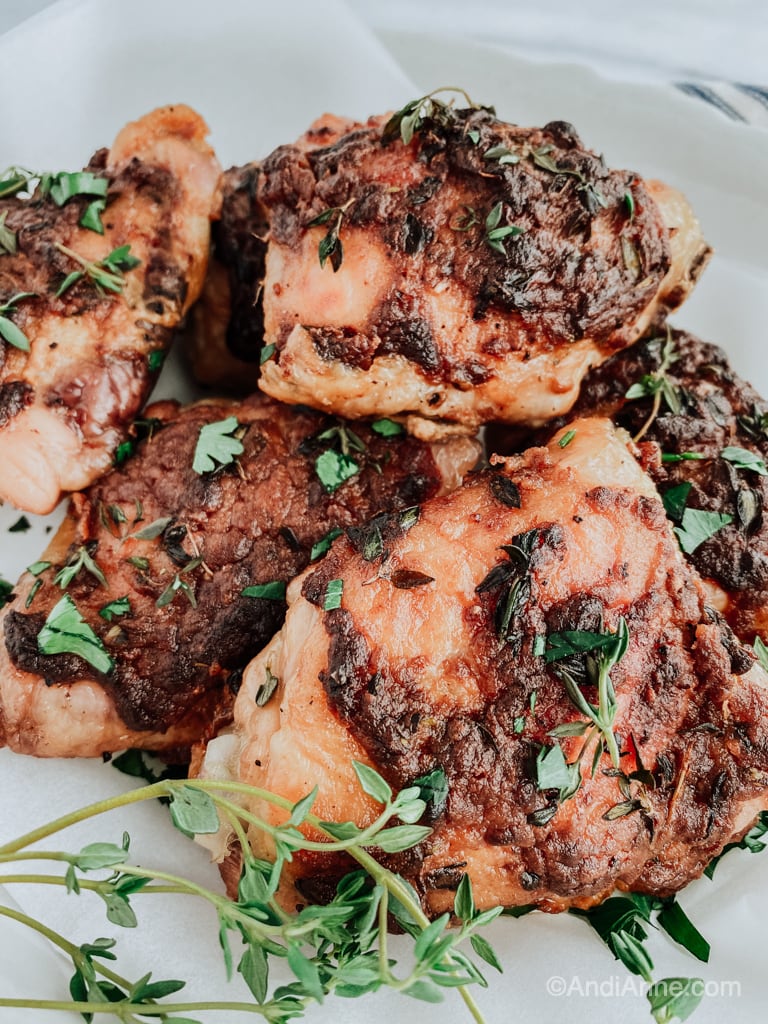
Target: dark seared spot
(505, 491)
(14, 397)
(415, 235)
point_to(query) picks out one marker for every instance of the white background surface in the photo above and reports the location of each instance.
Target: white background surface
(205, 55)
(664, 39)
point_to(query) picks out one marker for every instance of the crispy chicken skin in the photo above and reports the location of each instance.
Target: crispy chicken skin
(717, 410)
(228, 321)
(67, 403)
(430, 312)
(412, 673)
(252, 522)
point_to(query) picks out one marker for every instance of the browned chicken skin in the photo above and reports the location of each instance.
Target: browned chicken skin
(211, 535)
(475, 273)
(714, 410)
(436, 658)
(228, 320)
(94, 354)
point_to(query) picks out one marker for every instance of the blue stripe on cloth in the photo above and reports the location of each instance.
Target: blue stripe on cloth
(708, 94)
(756, 92)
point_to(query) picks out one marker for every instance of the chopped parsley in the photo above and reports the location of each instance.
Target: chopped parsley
(335, 468)
(566, 439)
(658, 386)
(216, 444)
(675, 499)
(272, 591)
(266, 353)
(6, 592)
(66, 632)
(120, 606)
(698, 526)
(761, 652)
(323, 545)
(333, 594)
(387, 428)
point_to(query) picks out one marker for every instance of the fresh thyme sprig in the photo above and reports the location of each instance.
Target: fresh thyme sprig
(339, 948)
(582, 657)
(330, 247)
(407, 121)
(658, 386)
(106, 275)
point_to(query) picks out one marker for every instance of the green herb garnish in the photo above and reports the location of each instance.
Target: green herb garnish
(266, 690)
(658, 386)
(333, 593)
(582, 657)
(675, 499)
(330, 247)
(683, 457)
(8, 329)
(8, 239)
(502, 155)
(6, 592)
(334, 468)
(178, 584)
(216, 444)
(21, 525)
(323, 545)
(387, 428)
(339, 948)
(66, 632)
(753, 841)
(272, 591)
(698, 526)
(80, 560)
(742, 458)
(495, 232)
(266, 353)
(761, 652)
(106, 275)
(407, 121)
(120, 606)
(566, 439)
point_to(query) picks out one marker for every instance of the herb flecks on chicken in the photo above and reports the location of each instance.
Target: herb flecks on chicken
(169, 574)
(711, 429)
(90, 294)
(596, 724)
(473, 273)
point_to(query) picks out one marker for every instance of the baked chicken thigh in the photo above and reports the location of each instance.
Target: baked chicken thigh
(89, 299)
(445, 265)
(169, 574)
(711, 428)
(538, 638)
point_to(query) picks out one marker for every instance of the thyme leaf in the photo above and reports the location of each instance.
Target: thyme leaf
(106, 275)
(8, 329)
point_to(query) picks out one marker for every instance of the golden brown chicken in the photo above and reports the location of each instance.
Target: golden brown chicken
(448, 266)
(711, 429)
(538, 638)
(90, 291)
(169, 574)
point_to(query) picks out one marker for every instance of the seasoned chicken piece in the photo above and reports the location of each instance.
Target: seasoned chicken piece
(712, 433)
(228, 321)
(472, 641)
(159, 558)
(475, 273)
(95, 343)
